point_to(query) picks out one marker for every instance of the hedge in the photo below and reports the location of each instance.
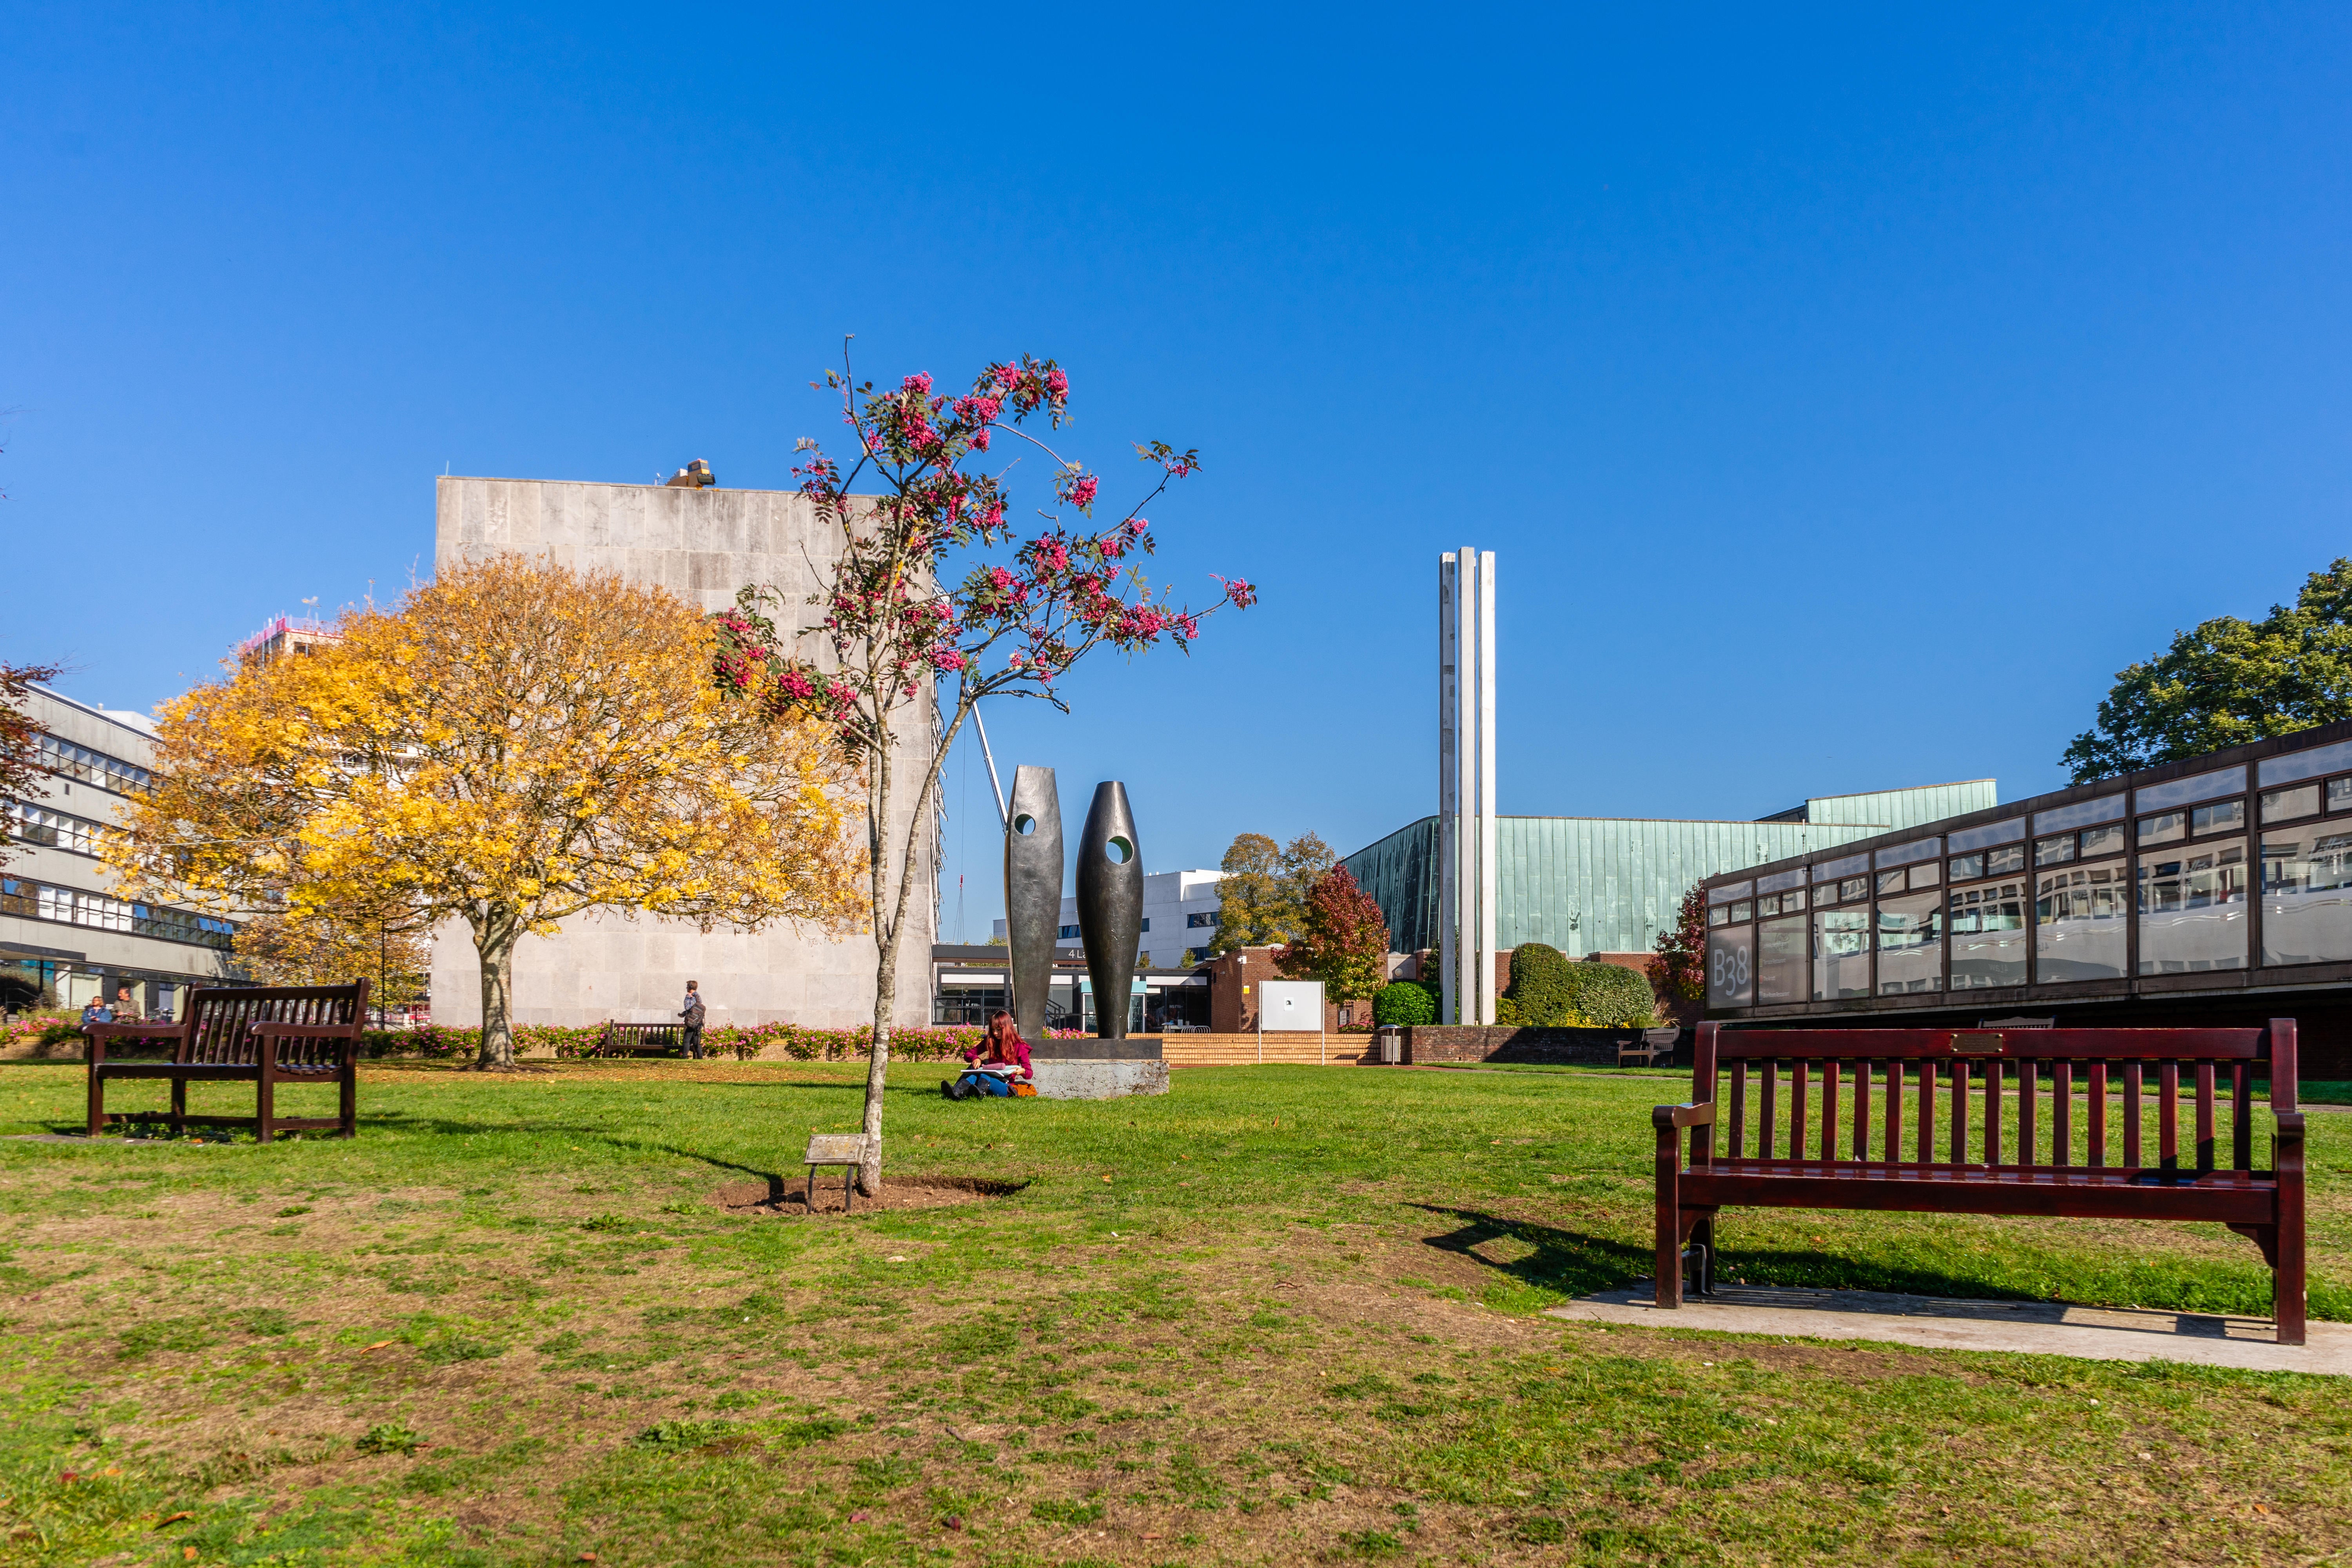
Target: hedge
(1405, 1002)
(743, 1041)
(1541, 987)
(1611, 996)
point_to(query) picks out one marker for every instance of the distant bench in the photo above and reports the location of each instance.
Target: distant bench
(262, 1034)
(641, 1040)
(1797, 1162)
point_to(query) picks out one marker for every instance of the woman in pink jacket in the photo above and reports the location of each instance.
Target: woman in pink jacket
(1005, 1063)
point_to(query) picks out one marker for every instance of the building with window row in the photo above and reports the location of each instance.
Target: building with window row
(65, 935)
(2214, 890)
(1180, 916)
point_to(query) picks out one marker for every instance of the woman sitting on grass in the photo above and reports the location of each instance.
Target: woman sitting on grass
(1006, 1059)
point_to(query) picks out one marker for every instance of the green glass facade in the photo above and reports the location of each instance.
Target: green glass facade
(1598, 884)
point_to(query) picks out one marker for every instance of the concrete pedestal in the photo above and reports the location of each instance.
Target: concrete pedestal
(1097, 1069)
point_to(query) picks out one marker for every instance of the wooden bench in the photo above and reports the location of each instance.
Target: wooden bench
(1655, 1043)
(264, 1036)
(1796, 1160)
(642, 1040)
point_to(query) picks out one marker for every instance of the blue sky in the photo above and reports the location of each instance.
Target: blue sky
(1845, 394)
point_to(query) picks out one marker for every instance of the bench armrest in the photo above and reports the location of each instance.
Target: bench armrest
(2290, 1125)
(1667, 1117)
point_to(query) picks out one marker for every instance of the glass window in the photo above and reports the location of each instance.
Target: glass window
(1911, 944)
(1853, 887)
(1729, 891)
(1831, 870)
(2193, 909)
(2053, 851)
(2102, 841)
(2287, 805)
(2164, 829)
(1904, 854)
(1985, 838)
(1840, 953)
(1926, 876)
(2220, 818)
(2310, 765)
(1890, 881)
(1967, 868)
(1781, 881)
(1790, 902)
(2001, 862)
(1200, 922)
(1069, 934)
(1770, 904)
(1719, 916)
(1740, 911)
(1987, 930)
(1730, 971)
(2078, 924)
(2339, 795)
(2307, 896)
(1781, 953)
(2196, 787)
(2082, 813)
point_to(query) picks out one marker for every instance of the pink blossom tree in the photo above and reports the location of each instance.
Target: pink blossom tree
(1031, 602)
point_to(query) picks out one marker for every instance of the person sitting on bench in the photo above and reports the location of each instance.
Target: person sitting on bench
(1004, 1062)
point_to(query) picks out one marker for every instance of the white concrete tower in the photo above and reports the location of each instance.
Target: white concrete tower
(1465, 789)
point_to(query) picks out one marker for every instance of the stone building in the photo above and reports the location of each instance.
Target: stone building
(703, 544)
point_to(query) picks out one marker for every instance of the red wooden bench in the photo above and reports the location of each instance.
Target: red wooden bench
(261, 1034)
(1796, 1160)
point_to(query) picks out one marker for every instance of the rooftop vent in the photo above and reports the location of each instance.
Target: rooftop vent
(694, 476)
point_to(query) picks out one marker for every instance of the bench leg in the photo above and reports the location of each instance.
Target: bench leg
(1670, 1220)
(265, 1097)
(2287, 1283)
(178, 1108)
(350, 1109)
(1702, 1237)
(97, 1100)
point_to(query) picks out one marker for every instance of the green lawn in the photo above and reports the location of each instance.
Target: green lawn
(1281, 1315)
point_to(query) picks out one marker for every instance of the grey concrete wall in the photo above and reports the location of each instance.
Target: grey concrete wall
(702, 544)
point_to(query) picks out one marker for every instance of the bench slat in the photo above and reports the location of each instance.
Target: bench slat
(2241, 1115)
(2045, 1044)
(2061, 1114)
(2132, 1115)
(1738, 1108)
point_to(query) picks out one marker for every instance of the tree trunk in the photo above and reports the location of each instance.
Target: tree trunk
(877, 1063)
(496, 946)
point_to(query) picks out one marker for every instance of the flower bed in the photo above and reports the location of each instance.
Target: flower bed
(743, 1041)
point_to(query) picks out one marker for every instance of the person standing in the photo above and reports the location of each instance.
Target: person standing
(692, 1015)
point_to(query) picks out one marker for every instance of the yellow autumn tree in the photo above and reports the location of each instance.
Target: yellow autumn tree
(515, 744)
(322, 947)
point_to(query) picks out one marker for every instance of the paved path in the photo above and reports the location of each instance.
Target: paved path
(2044, 1327)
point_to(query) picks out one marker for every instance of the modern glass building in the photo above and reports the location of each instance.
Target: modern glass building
(2214, 889)
(1609, 884)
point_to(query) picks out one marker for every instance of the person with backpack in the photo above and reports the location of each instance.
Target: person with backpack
(692, 1014)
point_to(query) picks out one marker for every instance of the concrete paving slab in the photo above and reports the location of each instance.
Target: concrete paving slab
(1936, 1322)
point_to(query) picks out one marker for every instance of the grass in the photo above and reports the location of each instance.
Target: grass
(1280, 1315)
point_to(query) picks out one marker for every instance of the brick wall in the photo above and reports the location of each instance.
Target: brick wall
(1426, 1042)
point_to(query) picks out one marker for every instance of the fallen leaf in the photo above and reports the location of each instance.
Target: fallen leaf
(2261, 1508)
(174, 1518)
(860, 1516)
(112, 1471)
(952, 1522)
(187, 1554)
(586, 1557)
(377, 1346)
(66, 1478)
(1106, 1178)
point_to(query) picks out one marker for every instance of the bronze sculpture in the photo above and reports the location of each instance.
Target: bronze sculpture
(1110, 905)
(1033, 894)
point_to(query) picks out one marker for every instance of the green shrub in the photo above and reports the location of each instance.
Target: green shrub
(1507, 1012)
(1611, 996)
(1541, 987)
(1405, 1002)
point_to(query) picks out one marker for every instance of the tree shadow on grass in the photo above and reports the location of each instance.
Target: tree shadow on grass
(1580, 1264)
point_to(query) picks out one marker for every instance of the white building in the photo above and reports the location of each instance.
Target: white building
(1180, 915)
(702, 543)
(64, 934)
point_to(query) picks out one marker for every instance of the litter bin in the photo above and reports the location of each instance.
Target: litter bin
(1390, 1039)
